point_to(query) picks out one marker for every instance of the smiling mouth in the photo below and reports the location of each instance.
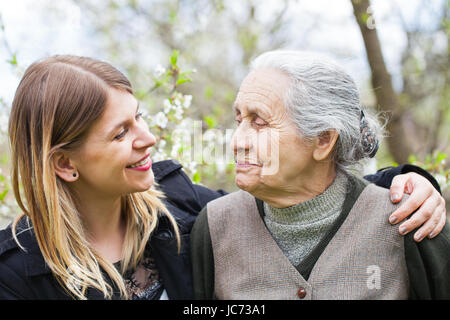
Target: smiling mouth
(142, 163)
(245, 164)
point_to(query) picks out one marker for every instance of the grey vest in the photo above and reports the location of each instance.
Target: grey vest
(364, 260)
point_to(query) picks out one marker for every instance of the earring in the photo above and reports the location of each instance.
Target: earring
(74, 174)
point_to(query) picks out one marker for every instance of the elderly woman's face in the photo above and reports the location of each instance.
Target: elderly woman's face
(269, 153)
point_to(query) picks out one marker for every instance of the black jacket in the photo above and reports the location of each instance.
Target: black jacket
(24, 274)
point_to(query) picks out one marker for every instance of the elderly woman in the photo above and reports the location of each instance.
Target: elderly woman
(302, 226)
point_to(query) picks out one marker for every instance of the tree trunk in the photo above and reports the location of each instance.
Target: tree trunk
(387, 99)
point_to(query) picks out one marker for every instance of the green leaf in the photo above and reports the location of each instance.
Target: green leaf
(210, 122)
(3, 194)
(174, 58)
(13, 60)
(173, 15)
(364, 17)
(440, 157)
(412, 159)
(196, 177)
(208, 92)
(182, 80)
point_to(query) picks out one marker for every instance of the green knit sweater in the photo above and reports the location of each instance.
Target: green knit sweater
(298, 229)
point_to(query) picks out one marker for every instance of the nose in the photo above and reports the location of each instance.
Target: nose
(144, 138)
(241, 142)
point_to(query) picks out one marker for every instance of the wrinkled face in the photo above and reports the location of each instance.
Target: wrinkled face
(114, 159)
(269, 153)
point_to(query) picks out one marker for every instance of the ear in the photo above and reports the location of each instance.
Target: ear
(64, 167)
(324, 144)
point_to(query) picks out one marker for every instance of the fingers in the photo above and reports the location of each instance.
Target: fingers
(440, 224)
(431, 225)
(411, 204)
(398, 187)
(429, 215)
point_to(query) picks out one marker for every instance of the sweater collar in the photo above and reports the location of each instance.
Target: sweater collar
(315, 209)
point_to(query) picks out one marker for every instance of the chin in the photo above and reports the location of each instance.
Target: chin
(144, 185)
(147, 186)
(244, 183)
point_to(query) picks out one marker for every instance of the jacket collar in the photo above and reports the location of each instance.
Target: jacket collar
(34, 261)
(164, 168)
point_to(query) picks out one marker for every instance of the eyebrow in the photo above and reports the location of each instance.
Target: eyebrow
(252, 110)
(122, 124)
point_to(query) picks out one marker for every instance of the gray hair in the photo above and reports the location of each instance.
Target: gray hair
(324, 97)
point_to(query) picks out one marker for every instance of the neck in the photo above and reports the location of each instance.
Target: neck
(102, 218)
(300, 189)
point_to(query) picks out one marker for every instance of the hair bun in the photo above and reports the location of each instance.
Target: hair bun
(369, 141)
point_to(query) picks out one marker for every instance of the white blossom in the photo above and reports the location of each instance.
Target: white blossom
(162, 144)
(160, 120)
(177, 102)
(175, 149)
(186, 124)
(187, 101)
(167, 106)
(158, 156)
(192, 166)
(159, 71)
(179, 112)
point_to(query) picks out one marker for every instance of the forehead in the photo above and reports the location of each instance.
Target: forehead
(120, 106)
(264, 88)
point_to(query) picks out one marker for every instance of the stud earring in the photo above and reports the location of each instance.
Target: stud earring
(74, 174)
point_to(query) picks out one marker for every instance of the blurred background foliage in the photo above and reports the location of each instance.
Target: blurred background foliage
(186, 59)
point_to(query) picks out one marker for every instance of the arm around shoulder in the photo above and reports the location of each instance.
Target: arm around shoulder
(383, 178)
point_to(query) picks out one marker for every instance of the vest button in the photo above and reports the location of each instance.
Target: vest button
(301, 293)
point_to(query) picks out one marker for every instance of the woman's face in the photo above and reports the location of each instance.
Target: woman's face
(115, 157)
(270, 156)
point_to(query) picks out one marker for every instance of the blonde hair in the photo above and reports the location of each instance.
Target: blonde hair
(56, 102)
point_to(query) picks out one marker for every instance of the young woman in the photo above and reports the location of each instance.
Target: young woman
(93, 223)
(80, 153)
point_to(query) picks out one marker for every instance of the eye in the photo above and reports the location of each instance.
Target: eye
(138, 115)
(259, 122)
(121, 135)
